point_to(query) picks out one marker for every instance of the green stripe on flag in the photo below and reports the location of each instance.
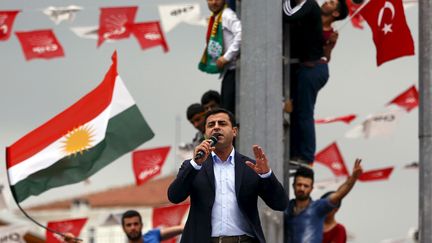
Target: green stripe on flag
(125, 132)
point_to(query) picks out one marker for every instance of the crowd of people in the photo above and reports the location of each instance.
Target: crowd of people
(224, 185)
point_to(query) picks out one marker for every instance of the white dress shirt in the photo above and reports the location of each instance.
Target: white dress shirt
(231, 27)
(227, 219)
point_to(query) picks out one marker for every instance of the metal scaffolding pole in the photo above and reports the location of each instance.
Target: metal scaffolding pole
(260, 94)
(425, 121)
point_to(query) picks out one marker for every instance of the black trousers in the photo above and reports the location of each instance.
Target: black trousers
(228, 91)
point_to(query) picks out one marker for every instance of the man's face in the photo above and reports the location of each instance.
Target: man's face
(220, 123)
(215, 5)
(302, 188)
(211, 105)
(330, 7)
(198, 121)
(132, 227)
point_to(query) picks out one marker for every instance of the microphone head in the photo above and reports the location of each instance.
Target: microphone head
(214, 138)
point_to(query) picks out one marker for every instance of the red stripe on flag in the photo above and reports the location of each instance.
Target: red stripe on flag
(83, 111)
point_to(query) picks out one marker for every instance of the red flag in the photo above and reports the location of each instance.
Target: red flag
(114, 23)
(73, 226)
(374, 175)
(408, 100)
(169, 216)
(40, 44)
(6, 22)
(148, 163)
(346, 119)
(149, 34)
(332, 158)
(356, 20)
(391, 34)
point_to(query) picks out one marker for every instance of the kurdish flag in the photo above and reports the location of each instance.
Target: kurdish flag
(75, 144)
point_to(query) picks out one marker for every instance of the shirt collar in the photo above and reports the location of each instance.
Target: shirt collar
(230, 157)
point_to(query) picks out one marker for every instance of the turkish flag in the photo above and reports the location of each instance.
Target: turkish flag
(148, 163)
(374, 175)
(356, 20)
(73, 226)
(391, 34)
(332, 158)
(408, 100)
(169, 216)
(346, 119)
(115, 22)
(40, 44)
(6, 22)
(149, 34)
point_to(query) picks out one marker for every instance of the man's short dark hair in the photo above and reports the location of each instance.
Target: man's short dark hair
(130, 214)
(342, 8)
(221, 110)
(327, 194)
(304, 172)
(209, 96)
(194, 109)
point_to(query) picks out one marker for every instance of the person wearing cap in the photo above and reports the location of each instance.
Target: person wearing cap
(224, 186)
(333, 231)
(304, 217)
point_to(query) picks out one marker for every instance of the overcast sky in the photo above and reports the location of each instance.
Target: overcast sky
(163, 85)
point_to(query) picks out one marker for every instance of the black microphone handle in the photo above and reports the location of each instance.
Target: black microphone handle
(213, 142)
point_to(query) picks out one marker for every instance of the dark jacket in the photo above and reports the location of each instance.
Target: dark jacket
(200, 186)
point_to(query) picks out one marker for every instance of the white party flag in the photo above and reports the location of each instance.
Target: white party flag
(173, 14)
(59, 14)
(375, 125)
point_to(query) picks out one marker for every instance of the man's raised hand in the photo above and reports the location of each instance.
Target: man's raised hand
(261, 166)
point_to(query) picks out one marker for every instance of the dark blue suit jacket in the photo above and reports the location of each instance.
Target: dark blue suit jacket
(200, 186)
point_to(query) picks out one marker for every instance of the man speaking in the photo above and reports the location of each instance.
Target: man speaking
(224, 186)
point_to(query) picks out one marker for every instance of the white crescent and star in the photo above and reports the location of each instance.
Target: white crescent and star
(387, 26)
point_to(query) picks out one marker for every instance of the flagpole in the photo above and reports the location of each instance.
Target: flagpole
(425, 122)
(352, 15)
(25, 213)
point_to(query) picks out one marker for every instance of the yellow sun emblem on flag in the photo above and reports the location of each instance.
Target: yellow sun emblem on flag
(78, 140)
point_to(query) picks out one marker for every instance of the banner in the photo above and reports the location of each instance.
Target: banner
(149, 34)
(73, 226)
(59, 14)
(87, 32)
(40, 44)
(169, 216)
(376, 125)
(332, 158)
(148, 163)
(377, 174)
(408, 100)
(6, 23)
(345, 119)
(356, 20)
(173, 14)
(115, 23)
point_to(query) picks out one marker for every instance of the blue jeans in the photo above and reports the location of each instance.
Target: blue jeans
(306, 81)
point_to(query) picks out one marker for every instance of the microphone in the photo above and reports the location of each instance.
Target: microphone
(213, 142)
